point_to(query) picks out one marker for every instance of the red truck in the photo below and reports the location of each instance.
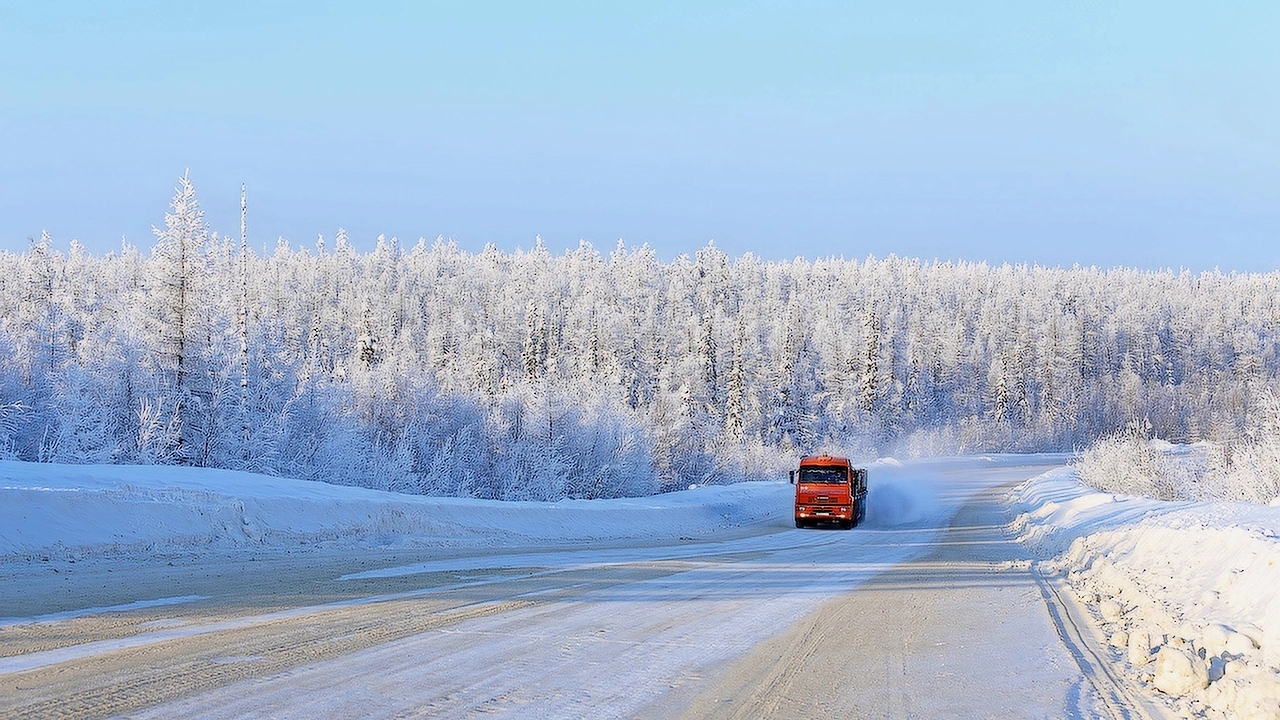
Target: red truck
(830, 490)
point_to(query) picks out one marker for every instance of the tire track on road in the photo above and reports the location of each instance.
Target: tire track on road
(119, 682)
(960, 632)
(111, 683)
(1121, 704)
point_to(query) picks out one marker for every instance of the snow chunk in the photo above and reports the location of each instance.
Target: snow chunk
(1247, 693)
(1179, 672)
(1140, 646)
(1218, 639)
(1119, 639)
(1110, 610)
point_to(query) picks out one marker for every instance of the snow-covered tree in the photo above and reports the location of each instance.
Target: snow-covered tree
(183, 323)
(528, 374)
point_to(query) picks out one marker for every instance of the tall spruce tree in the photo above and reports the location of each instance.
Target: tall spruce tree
(177, 277)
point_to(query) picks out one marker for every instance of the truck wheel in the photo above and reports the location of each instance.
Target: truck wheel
(799, 523)
(846, 524)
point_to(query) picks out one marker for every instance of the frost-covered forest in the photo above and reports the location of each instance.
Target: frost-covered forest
(428, 369)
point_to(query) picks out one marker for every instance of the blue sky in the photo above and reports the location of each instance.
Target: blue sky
(1098, 133)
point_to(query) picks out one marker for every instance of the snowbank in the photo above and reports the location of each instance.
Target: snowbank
(73, 510)
(50, 510)
(1185, 591)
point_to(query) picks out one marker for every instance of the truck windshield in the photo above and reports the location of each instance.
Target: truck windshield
(824, 475)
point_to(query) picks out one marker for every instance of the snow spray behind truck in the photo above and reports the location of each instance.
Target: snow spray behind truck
(830, 490)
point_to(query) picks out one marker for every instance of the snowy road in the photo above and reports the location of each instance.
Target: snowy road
(925, 611)
(965, 630)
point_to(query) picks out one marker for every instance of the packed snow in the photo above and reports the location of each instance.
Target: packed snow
(1185, 592)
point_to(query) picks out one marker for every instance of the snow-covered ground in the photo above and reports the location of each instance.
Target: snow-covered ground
(1187, 593)
(679, 584)
(60, 511)
(49, 510)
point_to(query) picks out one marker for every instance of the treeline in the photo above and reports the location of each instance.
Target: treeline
(530, 375)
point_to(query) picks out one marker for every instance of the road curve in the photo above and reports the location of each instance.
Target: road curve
(927, 615)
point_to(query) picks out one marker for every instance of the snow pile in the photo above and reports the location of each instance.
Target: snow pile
(73, 510)
(1185, 591)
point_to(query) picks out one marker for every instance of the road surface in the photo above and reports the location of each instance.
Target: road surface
(926, 611)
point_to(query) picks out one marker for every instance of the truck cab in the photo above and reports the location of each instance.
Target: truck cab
(829, 490)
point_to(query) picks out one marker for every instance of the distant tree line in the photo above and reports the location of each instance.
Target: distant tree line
(530, 375)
